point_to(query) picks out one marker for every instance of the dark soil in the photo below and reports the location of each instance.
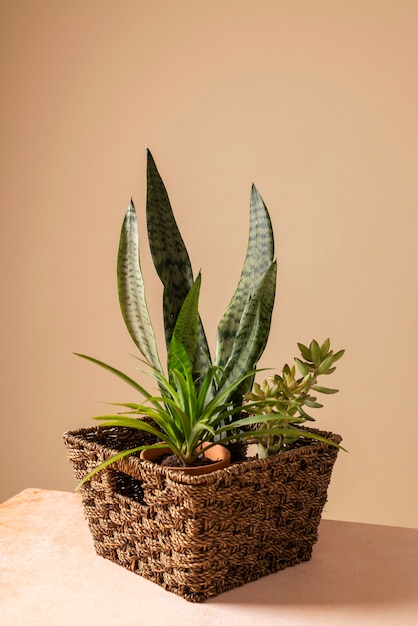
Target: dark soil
(170, 460)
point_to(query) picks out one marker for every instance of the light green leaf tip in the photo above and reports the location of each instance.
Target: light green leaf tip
(259, 257)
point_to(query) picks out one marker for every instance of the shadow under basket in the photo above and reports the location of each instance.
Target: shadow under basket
(198, 536)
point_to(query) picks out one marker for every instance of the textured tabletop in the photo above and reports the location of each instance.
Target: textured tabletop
(50, 574)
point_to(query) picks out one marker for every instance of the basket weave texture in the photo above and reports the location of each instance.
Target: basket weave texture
(198, 536)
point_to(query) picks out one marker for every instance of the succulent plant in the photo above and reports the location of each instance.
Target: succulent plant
(280, 400)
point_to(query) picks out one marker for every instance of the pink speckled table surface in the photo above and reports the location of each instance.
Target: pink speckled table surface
(50, 574)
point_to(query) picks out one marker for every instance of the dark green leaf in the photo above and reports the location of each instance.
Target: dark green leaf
(170, 257)
(315, 352)
(325, 347)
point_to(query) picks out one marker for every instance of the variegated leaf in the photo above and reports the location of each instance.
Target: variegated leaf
(258, 259)
(131, 290)
(170, 258)
(253, 332)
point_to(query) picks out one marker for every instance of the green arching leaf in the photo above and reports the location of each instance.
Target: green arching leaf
(112, 370)
(326, 390)
(256, 419)
(128, 422)
(206, 386)
(296, 432)
(220, 405)
(312, 404)
(131, 290)
(257, 262)
(187, 324)
(177, 357)
(170, 258)
(307, 417)
(113, 459)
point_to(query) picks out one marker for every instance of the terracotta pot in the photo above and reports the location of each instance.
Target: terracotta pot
(217, 453)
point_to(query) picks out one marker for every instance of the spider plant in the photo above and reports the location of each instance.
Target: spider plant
(183, 415)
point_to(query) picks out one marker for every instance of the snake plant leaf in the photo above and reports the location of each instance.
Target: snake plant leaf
(258, 259)
(251, 337)
(171, 259)
(132, 292)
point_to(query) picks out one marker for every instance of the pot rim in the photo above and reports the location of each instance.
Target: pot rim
(217, 453)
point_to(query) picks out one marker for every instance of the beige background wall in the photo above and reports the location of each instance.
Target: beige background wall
(316, 102)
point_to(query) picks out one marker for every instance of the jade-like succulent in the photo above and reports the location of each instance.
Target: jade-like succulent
(280, 400)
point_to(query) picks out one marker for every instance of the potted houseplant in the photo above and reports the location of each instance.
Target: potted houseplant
(199, 535)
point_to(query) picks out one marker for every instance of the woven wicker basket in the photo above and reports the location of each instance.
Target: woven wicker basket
(198, 536)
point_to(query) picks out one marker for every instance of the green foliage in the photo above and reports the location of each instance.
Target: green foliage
(244, 328)
(171, 260)
(280, 401)
(132, 291)
(183, 415)
(196, 398)
(199, 400)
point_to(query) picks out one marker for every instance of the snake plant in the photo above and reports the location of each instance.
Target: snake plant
(244, 328)
(199, 398)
